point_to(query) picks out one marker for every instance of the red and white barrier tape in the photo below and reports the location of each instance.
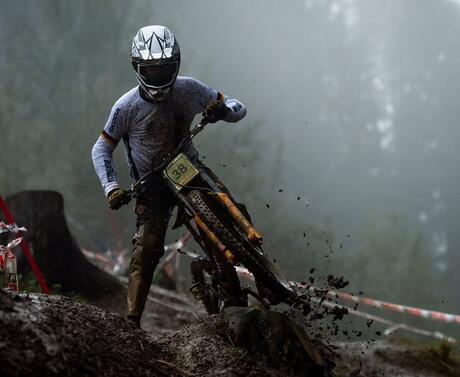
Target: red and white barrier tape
(96, 256)
(12, 228)
(394, 326)
(418, 312)
(8, 265)
(445, 317)
(25, 248)
(179, 243)
(367, 316)
(11, 245)
(171, 249)
(176, 246)
(8, 262)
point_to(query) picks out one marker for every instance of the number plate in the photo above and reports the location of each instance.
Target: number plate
(180, 171)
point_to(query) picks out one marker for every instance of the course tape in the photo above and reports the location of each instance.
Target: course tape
(177, 246)
(11, 245)
(25, 248)
(8, 265)
(12, 228)
(171, 250)
(418, 312)
(394, 326)
(452, 318)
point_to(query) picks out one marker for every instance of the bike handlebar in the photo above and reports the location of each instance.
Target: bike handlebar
(129, 194)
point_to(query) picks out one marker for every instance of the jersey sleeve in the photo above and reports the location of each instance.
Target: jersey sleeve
(203, 94)
(117, 123)
(102, 152)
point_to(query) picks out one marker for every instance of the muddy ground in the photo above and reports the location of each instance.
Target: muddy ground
(54, 336)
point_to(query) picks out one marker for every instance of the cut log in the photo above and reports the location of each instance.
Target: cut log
(57, 252)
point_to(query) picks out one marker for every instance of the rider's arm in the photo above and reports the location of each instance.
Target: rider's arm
(203, 94)
(103, 149)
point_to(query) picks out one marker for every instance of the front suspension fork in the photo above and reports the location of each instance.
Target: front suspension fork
(254, 237)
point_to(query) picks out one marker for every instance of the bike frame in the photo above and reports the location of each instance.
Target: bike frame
(195, 177)
(222, 198)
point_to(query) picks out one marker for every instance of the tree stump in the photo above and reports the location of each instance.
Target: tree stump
(57, 253)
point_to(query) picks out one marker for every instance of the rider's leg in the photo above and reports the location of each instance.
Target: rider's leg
(148, 248)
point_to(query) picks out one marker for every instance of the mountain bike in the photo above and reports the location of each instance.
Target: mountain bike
(221, 228)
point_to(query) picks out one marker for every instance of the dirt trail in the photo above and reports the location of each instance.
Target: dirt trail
(54, 336)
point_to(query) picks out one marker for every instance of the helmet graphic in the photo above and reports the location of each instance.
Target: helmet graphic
(155, 56)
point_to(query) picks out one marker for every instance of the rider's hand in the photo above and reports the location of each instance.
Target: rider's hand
(117, 198)
(215, 111)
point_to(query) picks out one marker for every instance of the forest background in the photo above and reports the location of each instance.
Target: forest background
(347, 160)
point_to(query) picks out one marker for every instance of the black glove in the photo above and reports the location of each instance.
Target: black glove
(215, 111)
(117, 198)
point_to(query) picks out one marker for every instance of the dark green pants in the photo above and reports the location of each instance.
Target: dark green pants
(148, 248)
(153, 216)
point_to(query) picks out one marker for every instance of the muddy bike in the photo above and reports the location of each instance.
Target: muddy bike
(219, 226)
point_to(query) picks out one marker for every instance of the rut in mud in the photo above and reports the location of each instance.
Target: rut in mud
(54, 336)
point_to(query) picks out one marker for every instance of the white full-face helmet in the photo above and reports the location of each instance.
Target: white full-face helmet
(155, 56)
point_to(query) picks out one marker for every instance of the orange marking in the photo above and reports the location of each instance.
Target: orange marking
(210, 234)
(109, 138)
(253, 236)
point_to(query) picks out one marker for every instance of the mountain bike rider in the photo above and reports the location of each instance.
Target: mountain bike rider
(151, 119)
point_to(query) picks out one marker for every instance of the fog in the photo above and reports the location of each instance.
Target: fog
(351, 134)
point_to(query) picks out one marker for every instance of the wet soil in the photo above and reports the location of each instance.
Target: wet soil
(387, 358)
(54, 336)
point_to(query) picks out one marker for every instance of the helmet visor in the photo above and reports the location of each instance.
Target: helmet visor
(158, 75)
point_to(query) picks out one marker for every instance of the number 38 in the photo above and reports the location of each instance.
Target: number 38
(181, 169)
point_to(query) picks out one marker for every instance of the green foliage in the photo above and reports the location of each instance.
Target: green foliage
(78, 297)
(310, 131)
(442, 356)
(445, 352)
(28, 283)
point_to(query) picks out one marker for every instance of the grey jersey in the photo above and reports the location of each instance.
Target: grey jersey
(151, 130)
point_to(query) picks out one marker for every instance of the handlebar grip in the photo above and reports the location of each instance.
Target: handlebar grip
(127, 196)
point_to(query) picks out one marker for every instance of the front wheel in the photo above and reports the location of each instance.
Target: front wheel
(225, 279)
(270, 282)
